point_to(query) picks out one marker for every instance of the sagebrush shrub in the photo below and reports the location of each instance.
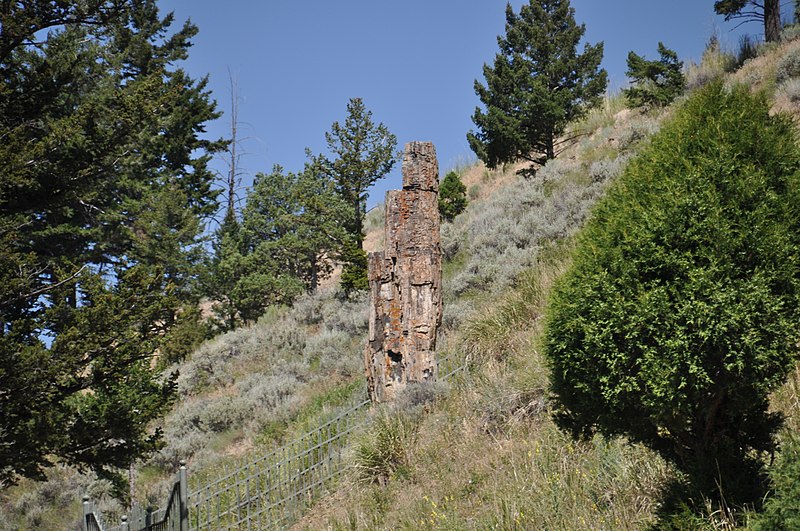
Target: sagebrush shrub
(241, 381)
(791, 89)
(791, 32)
(713, 65)
(500, 238)
(634, 131)
(788, 66)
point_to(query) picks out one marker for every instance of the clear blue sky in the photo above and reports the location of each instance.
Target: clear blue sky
(413, 62)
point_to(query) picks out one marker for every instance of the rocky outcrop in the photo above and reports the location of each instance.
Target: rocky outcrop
(405, 281)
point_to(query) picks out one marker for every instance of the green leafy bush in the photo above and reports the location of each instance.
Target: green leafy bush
(679, 315)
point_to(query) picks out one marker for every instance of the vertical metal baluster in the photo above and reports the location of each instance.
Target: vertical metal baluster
(247, 494)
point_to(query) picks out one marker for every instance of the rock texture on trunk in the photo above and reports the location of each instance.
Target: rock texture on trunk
(405, 281)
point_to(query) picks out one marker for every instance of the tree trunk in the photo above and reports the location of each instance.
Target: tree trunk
(551, 151)
(357, 226)
(772, 20)
(314, 280)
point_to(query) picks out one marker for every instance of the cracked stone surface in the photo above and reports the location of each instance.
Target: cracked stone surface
(405, 281)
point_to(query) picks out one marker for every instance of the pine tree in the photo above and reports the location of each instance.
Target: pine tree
(291, 232)
(538, 84)
(222, 271)
(654, 83)
(363, 153)
(452, 196)
(767, 12)
(103, 189)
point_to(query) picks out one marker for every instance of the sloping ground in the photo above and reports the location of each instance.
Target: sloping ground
(487, 455)
(484, 455)
(249, 390)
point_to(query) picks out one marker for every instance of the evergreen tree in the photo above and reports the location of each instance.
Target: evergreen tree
(654, 83)
(679, 315)
(354, 271)
(363, 153)
(221, 272)
(103, 189)
(292, 229)
(538, 84)
(767, 12)
(452, 196)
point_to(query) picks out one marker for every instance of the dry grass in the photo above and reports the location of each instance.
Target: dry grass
(760, 73)
(512, 471)
(787, 401)
(489, 456)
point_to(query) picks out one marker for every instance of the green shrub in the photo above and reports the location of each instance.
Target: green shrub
(386, 451)
(679, 315)
(452, 196)
(655, 83)
(782, 509)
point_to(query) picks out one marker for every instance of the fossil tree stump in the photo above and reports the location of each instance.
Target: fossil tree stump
(405, 281)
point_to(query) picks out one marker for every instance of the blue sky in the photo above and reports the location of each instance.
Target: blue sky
(297, 63)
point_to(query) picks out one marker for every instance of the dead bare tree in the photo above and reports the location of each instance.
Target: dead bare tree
(234, 154)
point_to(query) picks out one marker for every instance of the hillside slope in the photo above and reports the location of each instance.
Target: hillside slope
(481, 454)
(487, 455)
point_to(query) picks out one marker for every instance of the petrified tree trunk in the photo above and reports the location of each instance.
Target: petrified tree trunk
(405, 281)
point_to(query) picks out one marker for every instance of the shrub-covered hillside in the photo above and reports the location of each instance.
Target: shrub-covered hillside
(484, 451)
(488, 454)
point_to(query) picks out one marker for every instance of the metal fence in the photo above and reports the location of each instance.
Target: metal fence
(172, 517)
(270, 492)
(274, 490)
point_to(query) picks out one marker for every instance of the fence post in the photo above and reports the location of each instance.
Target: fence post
(86, 512)
(184, 497)
(125, 526)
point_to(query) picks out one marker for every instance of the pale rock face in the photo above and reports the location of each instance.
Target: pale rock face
(405, 281)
